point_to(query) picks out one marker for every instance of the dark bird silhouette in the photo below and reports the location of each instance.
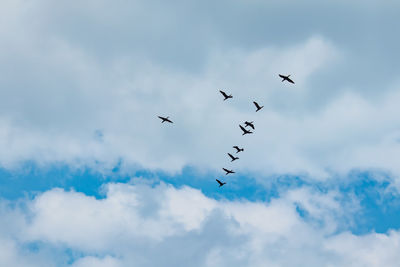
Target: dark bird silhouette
(232, 157)
(244, 130)
(228, 171)
(286, 78)
(220, 183)
(238, 149)
(165, 119)
(250, 124)
(225, 95)
(257, 106)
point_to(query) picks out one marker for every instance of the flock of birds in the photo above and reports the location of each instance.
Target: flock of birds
(245, 129)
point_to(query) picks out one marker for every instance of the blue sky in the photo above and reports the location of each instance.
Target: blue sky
(90, 177)
(379, 205)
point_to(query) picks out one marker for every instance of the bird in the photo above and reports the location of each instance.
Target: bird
(257, 106)
(165, 119)
(228, 171)
(232, 157)
(220, 183)
(225, 95)
(286, 78)
(244, 130)
(238, 149)
(249, 124)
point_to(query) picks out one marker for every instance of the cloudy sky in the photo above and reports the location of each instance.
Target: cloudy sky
(90, 177)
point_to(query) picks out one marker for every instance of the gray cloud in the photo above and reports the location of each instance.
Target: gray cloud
(70, 71)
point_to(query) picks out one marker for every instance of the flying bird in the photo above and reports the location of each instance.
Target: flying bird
(250, 124)
(225, 95)
(165, 119)
(220, 183)
(238, 149)
(257, 106)
(244, 130)
(232, 157)
(286, 78)
(228, 171)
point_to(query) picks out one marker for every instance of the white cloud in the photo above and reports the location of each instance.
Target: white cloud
(12, 255)
(96, 262)
(82, 85)
(140, 225)
(62, 86)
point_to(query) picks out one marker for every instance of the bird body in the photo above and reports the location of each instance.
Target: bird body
(257, 106)
(238, 149)
(232, 157)
(165, 119)
(244, 130)
(286, 78)
(225, 95)
(228, 171)
(250, 124)
(220, 183)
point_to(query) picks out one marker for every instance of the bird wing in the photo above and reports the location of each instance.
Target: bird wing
(218, 181)
(225, 170)
(256, 104)
(232, 157)
(223, 93)
(283, 77)
(243, 129)
(290, 80)
(235, 147)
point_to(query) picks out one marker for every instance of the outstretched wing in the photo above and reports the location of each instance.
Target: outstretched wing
(243, 129)
(223, 93)
(289, 80)
(232, 157)
(282, 76)
(235, 147)
(220, 183)
(256, 104)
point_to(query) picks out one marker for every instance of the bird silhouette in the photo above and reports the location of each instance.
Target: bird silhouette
(225, 95)
(244, 130)
(165, 119)
(250, 124)
(232, 157)
(220, 183)
(286, 78)
(238, 149)
(257, 106)
(228, 171)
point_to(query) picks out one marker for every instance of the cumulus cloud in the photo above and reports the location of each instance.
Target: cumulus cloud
(143, 225)
(82, 86)
(77, 72)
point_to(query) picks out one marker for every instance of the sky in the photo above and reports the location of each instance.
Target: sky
(90, 177)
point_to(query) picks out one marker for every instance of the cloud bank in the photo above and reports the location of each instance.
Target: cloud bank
(143, 225)
(83, 83)
(83, 86)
